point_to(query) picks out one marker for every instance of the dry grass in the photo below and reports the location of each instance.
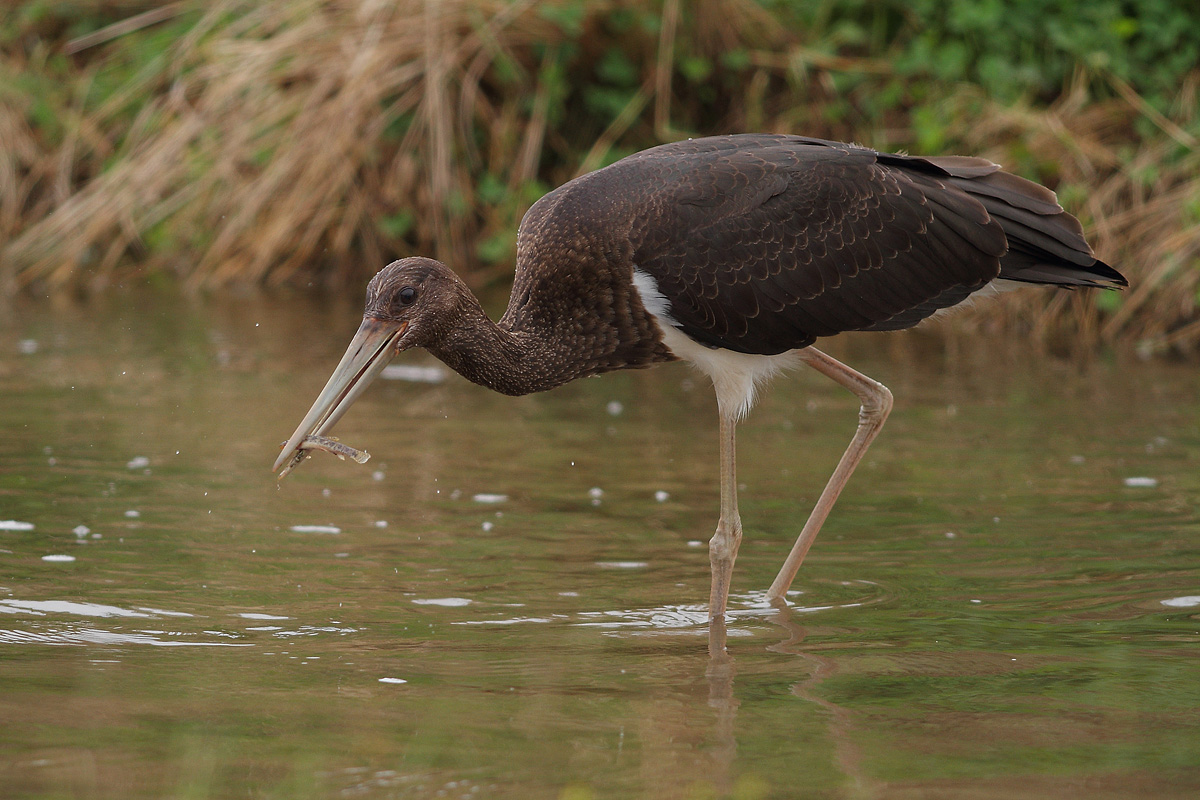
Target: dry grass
(260, 152)
(1139, 197)
(305, 140)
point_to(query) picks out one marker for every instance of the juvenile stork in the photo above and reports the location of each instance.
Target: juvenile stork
(734, 253)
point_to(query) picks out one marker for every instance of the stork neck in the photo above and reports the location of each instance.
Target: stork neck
(505, 361)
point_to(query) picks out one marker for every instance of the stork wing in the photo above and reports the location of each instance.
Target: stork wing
(763, 243)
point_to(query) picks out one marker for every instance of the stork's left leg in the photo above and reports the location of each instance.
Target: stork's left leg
(723, 547)
(876, 405)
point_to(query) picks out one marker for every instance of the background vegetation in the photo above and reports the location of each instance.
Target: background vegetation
(281, 141)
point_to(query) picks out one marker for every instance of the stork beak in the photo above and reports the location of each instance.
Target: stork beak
(369, 352)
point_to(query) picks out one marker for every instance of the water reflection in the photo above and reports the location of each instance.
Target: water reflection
(57, 631)
(508, 601)
(681, 618)
(841, 720)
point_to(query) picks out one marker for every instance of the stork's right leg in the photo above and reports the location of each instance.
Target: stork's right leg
(723, 547)
(876, 405)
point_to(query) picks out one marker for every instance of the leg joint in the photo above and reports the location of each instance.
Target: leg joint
(723, 546)
(876, 402)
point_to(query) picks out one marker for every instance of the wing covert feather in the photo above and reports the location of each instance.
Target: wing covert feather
(763, 249)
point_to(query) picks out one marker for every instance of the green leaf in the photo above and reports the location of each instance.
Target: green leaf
(695, 68)
(396, 226)
(492, 190)
(615, 68)
(497, 247)
(1108, 302)
(568, 17)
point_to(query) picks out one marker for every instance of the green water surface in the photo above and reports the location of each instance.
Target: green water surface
(992, 611)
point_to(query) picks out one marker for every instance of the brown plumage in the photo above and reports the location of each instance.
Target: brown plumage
(735, 253)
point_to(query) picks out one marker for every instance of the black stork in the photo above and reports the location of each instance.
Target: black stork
(735, 253)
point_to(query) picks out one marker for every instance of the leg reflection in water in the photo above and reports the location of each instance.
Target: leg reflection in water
(720, 673)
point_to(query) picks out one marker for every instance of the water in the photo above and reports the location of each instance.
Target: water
(507, 600)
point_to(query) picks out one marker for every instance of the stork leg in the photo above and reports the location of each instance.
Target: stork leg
(723, 547)
(876, 405)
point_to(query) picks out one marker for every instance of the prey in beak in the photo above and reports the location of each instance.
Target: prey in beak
(375, 344)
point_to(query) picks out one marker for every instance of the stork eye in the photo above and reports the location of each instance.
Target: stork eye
(407, 295)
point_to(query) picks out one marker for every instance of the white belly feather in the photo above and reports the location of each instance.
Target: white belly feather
(736, 377)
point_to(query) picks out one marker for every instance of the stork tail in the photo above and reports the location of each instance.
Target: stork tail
(1045, 244)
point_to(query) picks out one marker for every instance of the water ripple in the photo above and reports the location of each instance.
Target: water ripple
(691, 617)
(43, 607)
(69, 636)
(65, 632)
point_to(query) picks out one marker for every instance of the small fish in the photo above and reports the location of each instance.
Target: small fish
(329, 445)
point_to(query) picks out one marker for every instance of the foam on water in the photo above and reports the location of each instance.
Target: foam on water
(445, 602)
(413, 373)
(42, 607)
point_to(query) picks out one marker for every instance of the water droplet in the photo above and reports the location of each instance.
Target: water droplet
(316, 529)
(1141, 482)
